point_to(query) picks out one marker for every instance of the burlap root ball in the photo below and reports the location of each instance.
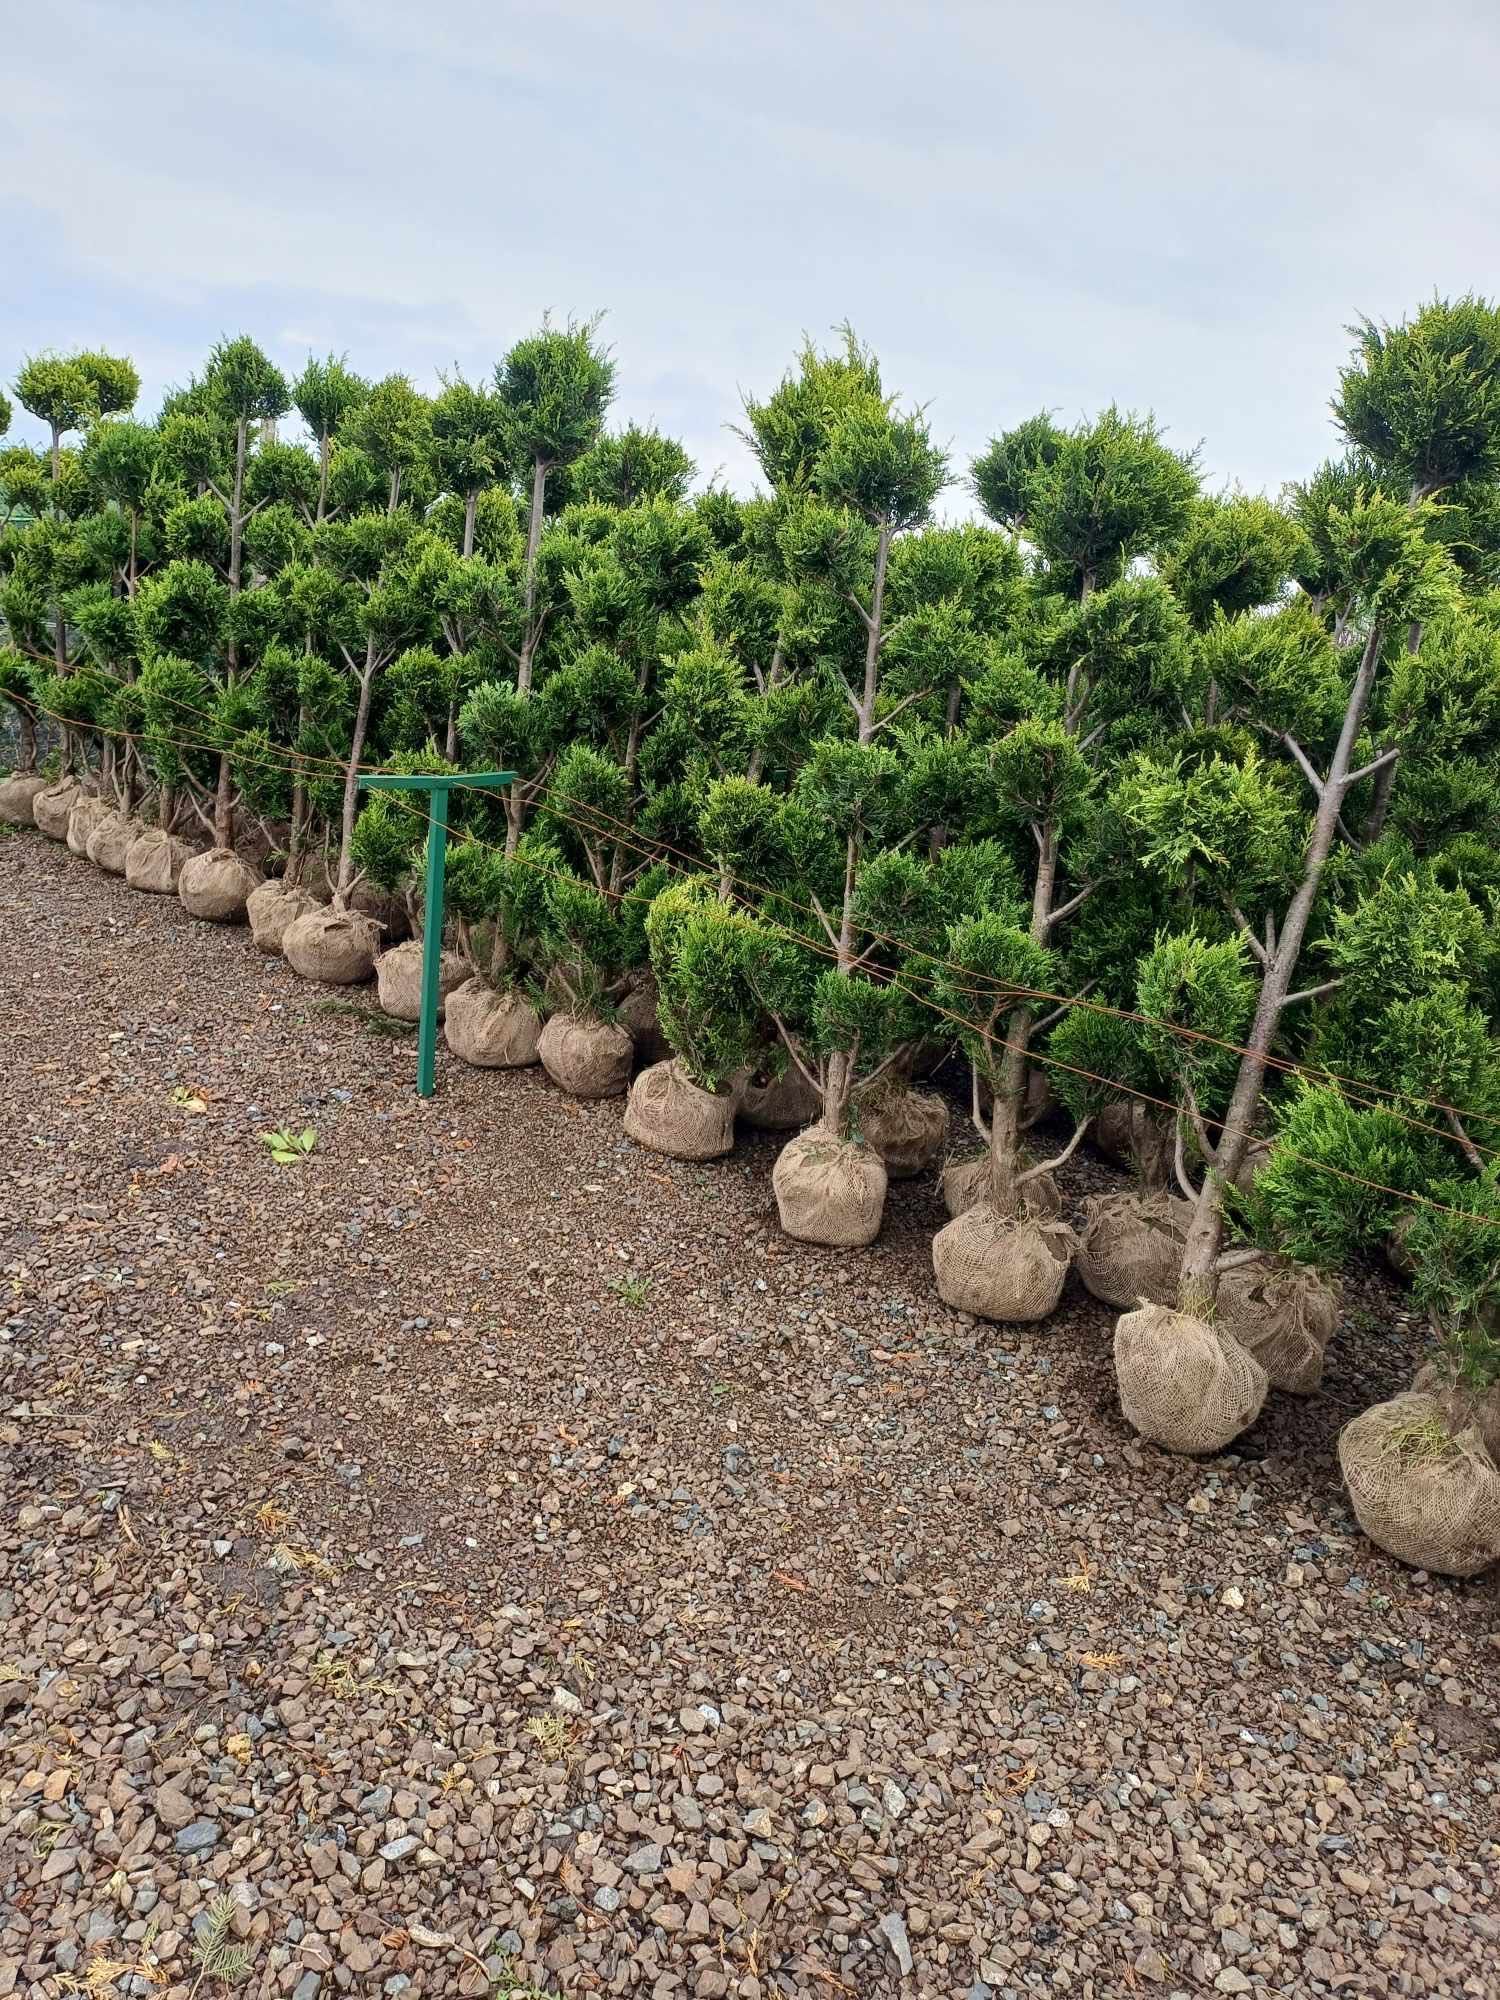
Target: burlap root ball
(637, 1015)
(967, 1180)
(1425, 1496)
(272, 908)
(490, 1029)
(587, 1058)
(51, 806)
(1001, 1267)
(1463, 1408)
(216, 886)
(385, 907)
(154, 861)
(336, 947)
(109, 843)
(829, 1190)
(1185, 1383)
(1285, 1315)
(782, 1103)
(398, 980)
(1130, 1247)
(907, 1128)
(669, 1113)
(17, 793)
(85, 815)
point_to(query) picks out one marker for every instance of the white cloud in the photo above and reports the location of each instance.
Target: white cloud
(1178, 205)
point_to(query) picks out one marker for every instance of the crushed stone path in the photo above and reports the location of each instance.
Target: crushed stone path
(497, 1561)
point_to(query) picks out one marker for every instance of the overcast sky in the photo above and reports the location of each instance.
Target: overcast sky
(1177, 204)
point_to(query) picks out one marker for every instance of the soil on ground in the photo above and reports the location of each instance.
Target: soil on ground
(496, 1559)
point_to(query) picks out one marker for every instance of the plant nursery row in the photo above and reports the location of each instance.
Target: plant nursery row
(1167, 818)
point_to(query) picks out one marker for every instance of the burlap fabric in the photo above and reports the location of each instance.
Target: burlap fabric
(272, 908)
(16, 795)
(671, 1114)
(51, 806)
(907, 1128)
(1130, 1247)
(829, 1190)
(1009, 1268)
(1184, 1383)
(1285, 1315)
(217, 885)
(109, 843)
(967, 1180)
(85, 815)
(398, 980)
(491, 1030)
(1426, 1497)
(637, 1015)
(1463, 1408)
(587, 1058)
(782, 1103)
(335, 947)
(154, 861)
(386, 907)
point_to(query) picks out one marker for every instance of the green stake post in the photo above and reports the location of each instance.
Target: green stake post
(437, 790)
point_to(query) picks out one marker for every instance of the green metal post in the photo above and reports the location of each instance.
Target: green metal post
(432, 936)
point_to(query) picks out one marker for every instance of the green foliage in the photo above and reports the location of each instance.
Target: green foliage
(1454, 1244)
(243, 384)
(554, 388)
(181, 611)
(326, 392)
(991, 967)
(60, 392)
(790, 431)
(1197, 998)
(702, 956)
(1336, 1176)
(1422, 399)
(1232, 556)
(625, 467)
(1090, 500)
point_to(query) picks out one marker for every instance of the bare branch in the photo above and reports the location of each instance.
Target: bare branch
(1050, 1020)
(1206, 1146)
(869, 622)
(1313, 992)
(981, 1123)
(1235, 1260)
(1066, 909)
(1470, 1150)
(1319, 785)
(905, 702)
(1243, 924)
(1062, 1158)
(1376, 764)
(828, 931)
(1179, 1165)
(793, 1051)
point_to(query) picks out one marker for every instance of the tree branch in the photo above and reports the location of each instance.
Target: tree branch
(1061, 1159)
(1243, 924)
(1319, 785)
(1469, 1149)
(1066, 909)
(1313, 992)
(1376, 764)
(1179, 1164)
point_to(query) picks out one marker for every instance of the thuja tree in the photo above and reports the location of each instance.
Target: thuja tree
(1106, 659)
(326, 394)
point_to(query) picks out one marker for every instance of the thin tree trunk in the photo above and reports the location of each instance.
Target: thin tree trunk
(351, 776)
(872, 637)
(529, 634)
(224, 806)
(471, 516)
(1198, 1287)
(28, 739)
(1009, 1108)
(323, 461)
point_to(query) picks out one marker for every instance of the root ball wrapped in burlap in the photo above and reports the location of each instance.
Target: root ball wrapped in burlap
(17, 795)
(587, 1058)
(336, 947)
(272, 909)
(907, 1128)
(671, 1114)
(829, 1190)
(782, 1103)
(1000, 1267)
(109, 843)
(491, 1030)
(51, 806)
(216, 886)
(398, 980)
(1285, 1315)
(637, 1015)
(1424, 1495)
(385, 907)
(85, 815)
(966, 1181)
(154, 862)
(1462, 1408)
(1130, 1247)
(1133, 1134)
(1184, 1383)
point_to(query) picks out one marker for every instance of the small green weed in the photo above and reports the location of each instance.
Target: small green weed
(635, 1291)
(287, 1147)
(214, 1955)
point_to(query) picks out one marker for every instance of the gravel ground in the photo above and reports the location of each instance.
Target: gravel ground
(498, 1560)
